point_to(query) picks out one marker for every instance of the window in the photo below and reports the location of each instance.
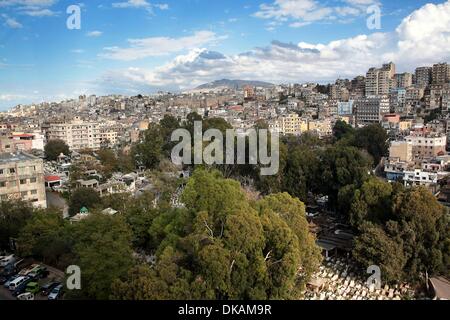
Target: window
(1, 171)
(24, 194)
(12, 184)
(23, 181)
(33, 192)
(33, 180)
(12, 170)
(2, 184)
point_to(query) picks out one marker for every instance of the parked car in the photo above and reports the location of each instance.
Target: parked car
(39, 272)
(47, 288)
(32, 287)
(26, 271)
(26, 296)
(4, 261)
(56, 293)
(22, 287)
(16, 282)
(6, 273)
(8, 282)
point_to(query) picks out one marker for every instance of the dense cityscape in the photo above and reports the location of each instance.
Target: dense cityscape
(364, 181)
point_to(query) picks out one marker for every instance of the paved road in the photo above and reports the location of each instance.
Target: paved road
(5, 294)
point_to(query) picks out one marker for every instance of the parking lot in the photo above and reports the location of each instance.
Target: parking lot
(50, 276)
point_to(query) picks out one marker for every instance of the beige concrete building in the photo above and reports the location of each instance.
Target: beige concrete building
(441, 73)
(77, 134)
(289, 124)
(22, 177)
(380, 81)
(426, 144)
(423, 76)
(403, 150)
(403, 80)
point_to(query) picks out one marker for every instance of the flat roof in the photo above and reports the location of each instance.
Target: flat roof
(16, 157)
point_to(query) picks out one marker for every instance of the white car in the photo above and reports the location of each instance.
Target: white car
(26, 296)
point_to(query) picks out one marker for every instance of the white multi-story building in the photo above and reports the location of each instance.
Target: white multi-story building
(77, 134)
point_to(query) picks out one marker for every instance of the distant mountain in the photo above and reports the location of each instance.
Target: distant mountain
(233, 84)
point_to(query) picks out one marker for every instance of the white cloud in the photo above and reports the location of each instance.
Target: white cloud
(303, 12)
(28, 3)
(39, 12)
(131, 4)
(158, 46)
(33, 8)
(422, 38)
(140, 4)
(94, 34)
(11, 22)
(162, 6)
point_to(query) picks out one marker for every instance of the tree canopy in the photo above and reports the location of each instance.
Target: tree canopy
(54, 148)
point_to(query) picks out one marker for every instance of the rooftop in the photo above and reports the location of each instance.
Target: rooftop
(16, 157)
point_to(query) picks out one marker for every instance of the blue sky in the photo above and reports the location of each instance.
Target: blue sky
(141, 46)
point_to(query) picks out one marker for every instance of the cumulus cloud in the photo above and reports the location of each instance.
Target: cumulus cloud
(158, 46)
(422, 38)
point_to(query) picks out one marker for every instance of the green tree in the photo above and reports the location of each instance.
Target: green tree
(103, 253)
(149, 151)
(47, 237)
(168, 125)
(340, 167)
(372, 202)
(404, 231)
(293, 212)
(423, 225)
(108, 160)
(301, 172)
(83, 197)
(342, 129)
(54, 148)
(374, 139)
(14, 215)
(375, 247)
(221, 247)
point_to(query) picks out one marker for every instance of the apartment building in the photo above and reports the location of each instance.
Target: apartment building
(345, 108)
(402, 150)
(22, 177)
(398, 100)
(427, 144)
(403, 80)
(26, 142)
(423, 76)
(380, 81)
(78, 134)
(441, 73)
(371, 109)
(289, 124)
